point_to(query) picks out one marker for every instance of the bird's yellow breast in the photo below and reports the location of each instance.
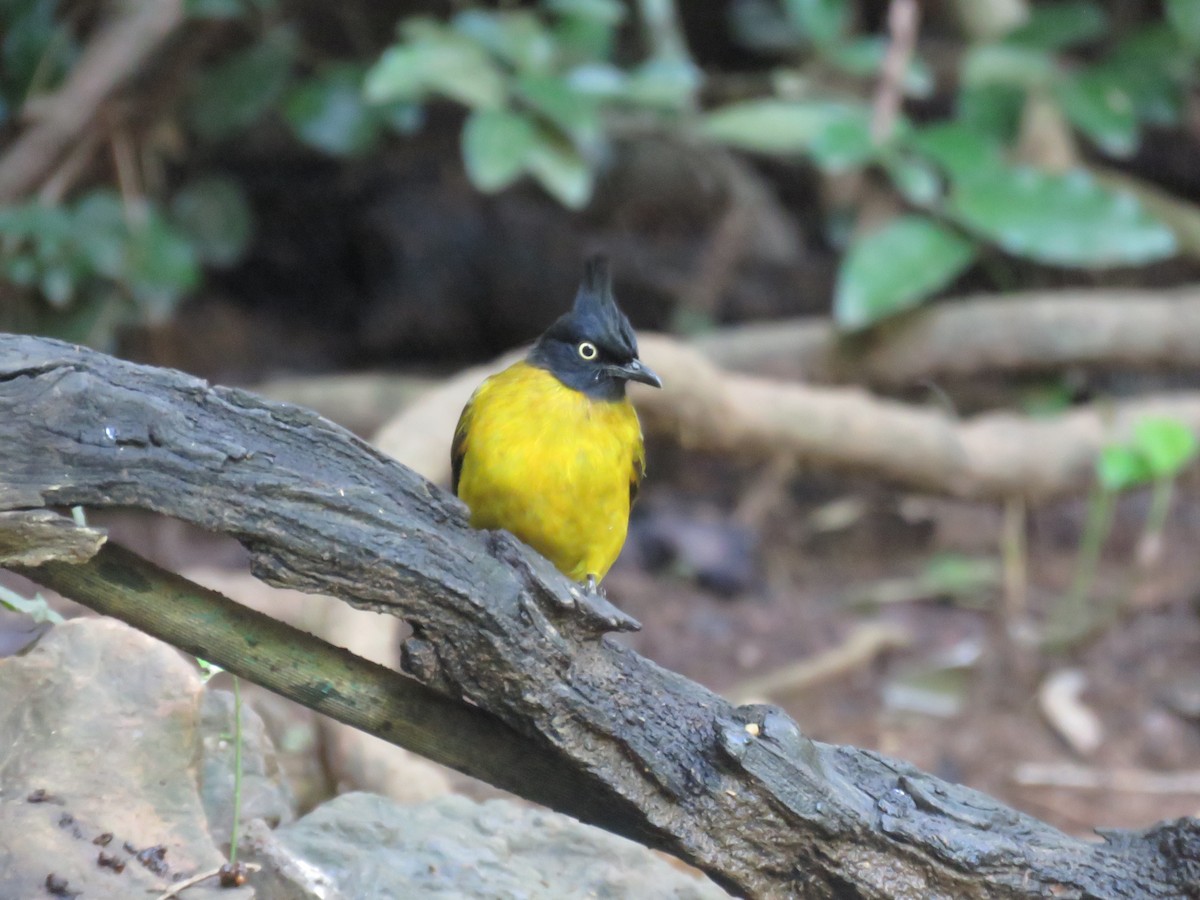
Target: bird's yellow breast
(551, 465)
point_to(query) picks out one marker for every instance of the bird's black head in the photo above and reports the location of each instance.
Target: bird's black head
(593, 348)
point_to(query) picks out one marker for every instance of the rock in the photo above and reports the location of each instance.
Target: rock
(102, 740)
(363, 845)
(353, 759)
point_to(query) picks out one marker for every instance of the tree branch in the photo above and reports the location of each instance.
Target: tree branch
(738, 791)
(994, 456)
(1034, 331)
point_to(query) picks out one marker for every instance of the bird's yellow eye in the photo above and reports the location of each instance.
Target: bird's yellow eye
(587, 350)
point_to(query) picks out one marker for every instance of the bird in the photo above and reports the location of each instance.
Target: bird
(550, 449)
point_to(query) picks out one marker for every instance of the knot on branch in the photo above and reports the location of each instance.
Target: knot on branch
(419, 658)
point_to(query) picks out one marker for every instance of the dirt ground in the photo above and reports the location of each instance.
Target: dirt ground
(954, 684)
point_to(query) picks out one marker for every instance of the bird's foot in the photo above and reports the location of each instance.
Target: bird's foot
(597, 612)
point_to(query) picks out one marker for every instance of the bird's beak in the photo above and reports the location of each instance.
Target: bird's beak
(636, 370)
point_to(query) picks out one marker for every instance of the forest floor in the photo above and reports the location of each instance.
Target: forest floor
(954, 680)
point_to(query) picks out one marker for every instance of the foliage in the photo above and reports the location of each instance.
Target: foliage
(1156, 454)
(960, 172)
(1160, 449)
(897, 266)
(537, 85)
(547, 86)
(36, 50)
(81, 269)
(99, 262)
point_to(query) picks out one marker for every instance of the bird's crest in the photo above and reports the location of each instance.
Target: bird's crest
(595, 311)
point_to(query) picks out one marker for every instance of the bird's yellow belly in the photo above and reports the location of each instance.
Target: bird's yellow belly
(553, 467)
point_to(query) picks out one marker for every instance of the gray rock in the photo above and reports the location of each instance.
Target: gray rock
(365, 847)
(100, 741)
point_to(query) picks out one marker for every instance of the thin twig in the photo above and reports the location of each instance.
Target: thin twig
(1016, 575)
(863, 645)
(1089, 778)
(903, 19)
(237, 770)
(111, 58)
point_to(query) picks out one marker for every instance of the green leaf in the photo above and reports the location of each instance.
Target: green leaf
(578, 115)
(560, 169)
(496, 144)
(1066, 220)
(847, 143)
(443, 63)
(1119, 468)
(1010, 65)
(162, 267)
(1053, 26)
(895, 268)
(208, 670)
(579, 39)
(663, 84)
(602, 81)
(1167, 445)
(823, 22)
(837, 134)
(864, 56)
(328, 112)
(20, 270)
(213, 214)
(915, 179)
(517, 37)
(57, 285)
(215, 9)
(993, 110)
(958, 149)
(1049, 398)
(36, 50)
(234, 94)
(102, 233)
(398, 76)
(1184, 16)
(1098, 104)
(608, 12)
(1152, 67)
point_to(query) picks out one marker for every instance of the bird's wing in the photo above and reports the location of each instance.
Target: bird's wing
(638, 470)
(458, 449)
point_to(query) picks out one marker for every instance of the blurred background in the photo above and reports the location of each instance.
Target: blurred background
(923, 281)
